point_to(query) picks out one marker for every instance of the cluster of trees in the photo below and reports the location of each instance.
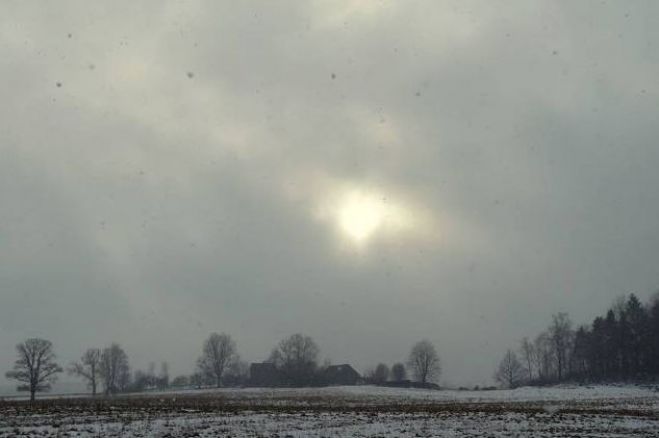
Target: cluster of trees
(110, 367)
(382, 373)
(423, 362)
(621, 345)
(296, 357)
(547, 359)
(219, 364)
(36, 369)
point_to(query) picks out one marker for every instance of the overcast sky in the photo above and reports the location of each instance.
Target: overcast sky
(368, 173)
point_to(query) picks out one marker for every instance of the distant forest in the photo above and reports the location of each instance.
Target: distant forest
(621, 345)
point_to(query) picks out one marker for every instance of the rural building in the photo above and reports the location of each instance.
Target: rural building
(265, 374)
(343, 374)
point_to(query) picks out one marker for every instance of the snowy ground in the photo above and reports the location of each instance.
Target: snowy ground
(598, 411)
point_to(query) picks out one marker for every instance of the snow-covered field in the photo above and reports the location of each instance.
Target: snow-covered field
(379, 394)
(597, 411)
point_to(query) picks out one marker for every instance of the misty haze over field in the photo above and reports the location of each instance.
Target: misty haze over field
(366, 173)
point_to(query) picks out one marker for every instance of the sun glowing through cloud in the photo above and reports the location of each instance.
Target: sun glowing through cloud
(360, 216)
(363, 216)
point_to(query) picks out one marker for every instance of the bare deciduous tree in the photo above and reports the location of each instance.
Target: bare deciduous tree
(297, 357)
(151, 375)
(510, 372)
(424, 361)
(124, 378)
(163, 378)
(381, 373)
(398, 372)
(35, 367)
(238, 373)
(528, 355)
(114, 370)
(561, 335)
(88, 368)
(197, 379)
(180, 381)
(219, 352)
(544, 357)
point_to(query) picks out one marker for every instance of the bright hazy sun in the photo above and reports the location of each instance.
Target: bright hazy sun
(360, 216)
(363, 215)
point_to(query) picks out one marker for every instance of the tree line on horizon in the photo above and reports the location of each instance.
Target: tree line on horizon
(620, 346)
(296, 357)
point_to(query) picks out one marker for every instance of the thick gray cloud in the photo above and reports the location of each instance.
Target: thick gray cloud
(171, 169)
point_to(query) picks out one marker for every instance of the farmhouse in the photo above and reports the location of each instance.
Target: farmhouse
(265, 374)
(343, 374)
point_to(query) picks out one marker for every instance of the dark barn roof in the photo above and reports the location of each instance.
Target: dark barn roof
(343, 374)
